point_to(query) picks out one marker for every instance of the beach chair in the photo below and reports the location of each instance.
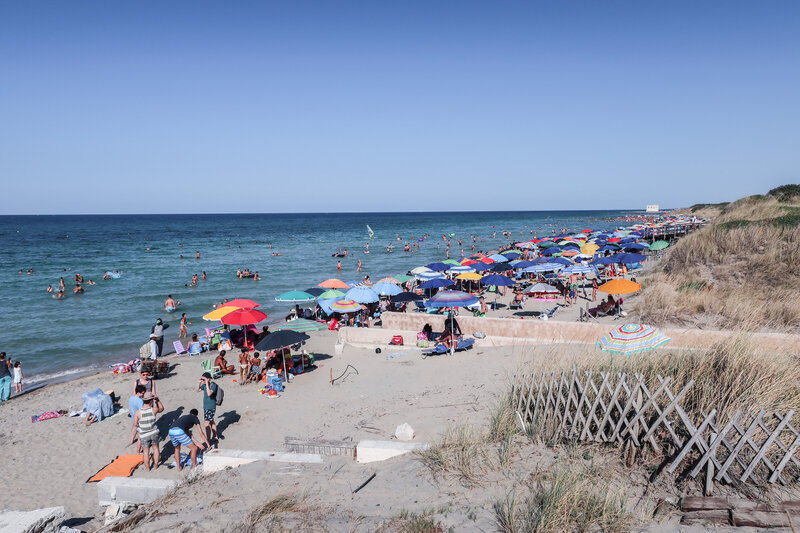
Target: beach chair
(179, 349)
(420, 307)
(209, 367)
(548, 314)
(194, 349)
(516, 305)
(441, 349)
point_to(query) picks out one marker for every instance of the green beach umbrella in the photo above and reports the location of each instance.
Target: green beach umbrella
(659, 245)
(402, 278)
(333, 293)
(295, 297)
(451, 262)
(301, 325)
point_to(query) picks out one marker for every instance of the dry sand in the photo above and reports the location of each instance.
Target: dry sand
(46, 463)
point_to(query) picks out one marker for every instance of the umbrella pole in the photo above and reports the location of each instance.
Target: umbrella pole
(452, 346)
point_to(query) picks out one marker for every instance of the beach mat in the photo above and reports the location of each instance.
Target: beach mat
(122, 466)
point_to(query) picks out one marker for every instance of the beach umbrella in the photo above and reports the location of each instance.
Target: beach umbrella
(315, 291)
(619, 286)
(402, 278)
(451, 299)
(420, 270)
(334, 283)
(430, 275)
(451, 262)
(243, 317)
(346, 306)
(498, 257)
(438, 267)
(332, 293)
(243, 302)
(544, 267)
(362, 295)
(294, 297)
(390, 279)
(386, 289)
(523, 264)
(469, 276)
(512, 255)
(541, 288)
(325, 304)
(301, 325)
(479, 266)
(658, 245)
(406, 297)
(497, 280)
(279, 340)
(580, 269)
(458, 269)
(220, 312)
(551, 251)
(436, 283)
(632, 338)
(570, 252)
(498, 267)
(630, 258)
(546, 244)
(486, 260)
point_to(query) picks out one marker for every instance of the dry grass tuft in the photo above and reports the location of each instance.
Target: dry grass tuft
(269, 511)
(573, 497)
(460, 452)
(408, 522)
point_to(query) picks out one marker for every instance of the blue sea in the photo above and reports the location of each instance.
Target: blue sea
(157, 257)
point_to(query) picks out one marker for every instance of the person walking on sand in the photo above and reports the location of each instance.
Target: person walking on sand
(180, 434)
(182, 331)
(158, 330)
(5, 378)
(144, 423)
(209, 389)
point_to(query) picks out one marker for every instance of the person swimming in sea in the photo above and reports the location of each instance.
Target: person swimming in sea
(49, 288)
(59, 295)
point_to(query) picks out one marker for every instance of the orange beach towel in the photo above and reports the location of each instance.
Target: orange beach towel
(122, 466)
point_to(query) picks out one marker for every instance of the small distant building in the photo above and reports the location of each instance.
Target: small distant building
(652, 208)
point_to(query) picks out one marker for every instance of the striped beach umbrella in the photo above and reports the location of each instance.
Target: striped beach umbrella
(300, 324)
(460, 269)
(632, 338)
(346, 306)
(425, 276)
(451, 299)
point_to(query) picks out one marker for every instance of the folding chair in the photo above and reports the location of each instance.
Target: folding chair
(179, 349)
(209, 367)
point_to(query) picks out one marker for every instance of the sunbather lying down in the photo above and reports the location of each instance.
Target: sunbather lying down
(606, 307)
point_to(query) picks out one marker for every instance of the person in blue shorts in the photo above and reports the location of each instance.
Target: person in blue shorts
(180, 434)
(209, 389)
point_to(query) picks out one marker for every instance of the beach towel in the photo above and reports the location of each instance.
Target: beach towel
(122, 466)
(46, 416)
(186, 460)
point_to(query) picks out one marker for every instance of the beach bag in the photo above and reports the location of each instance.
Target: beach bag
(422, 336)
(423, 343)
(397, 340)
(219, 395)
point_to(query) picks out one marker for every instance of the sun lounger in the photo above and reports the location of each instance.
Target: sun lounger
(209, 367)
(179, 349)
(548, 314)
(440, 349)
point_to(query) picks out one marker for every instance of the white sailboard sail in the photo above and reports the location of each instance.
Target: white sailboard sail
(371, 233)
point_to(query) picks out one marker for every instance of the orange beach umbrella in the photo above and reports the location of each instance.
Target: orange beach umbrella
(334, 283)
(619, 286)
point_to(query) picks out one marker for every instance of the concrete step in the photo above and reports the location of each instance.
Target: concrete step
(215, 460)
(118, 490)
(369, 451)
(39, 520)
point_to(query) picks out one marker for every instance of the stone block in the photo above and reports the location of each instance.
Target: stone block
(47, 520)
(369, 451)
(121, 490)
(215, 460)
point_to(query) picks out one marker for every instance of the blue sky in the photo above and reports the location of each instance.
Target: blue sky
(172, 107)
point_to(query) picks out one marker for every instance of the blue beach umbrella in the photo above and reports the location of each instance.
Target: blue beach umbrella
(315, 291)
(438, 267)
(386, 289)
(479, 266)
(499, 258)
(544, 267)
(436, 283)
(497, 280)
(460, 269)
(581, 269)
(512, 255)
(362, 295)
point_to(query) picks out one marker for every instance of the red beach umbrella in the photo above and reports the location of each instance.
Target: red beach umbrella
(243, 317)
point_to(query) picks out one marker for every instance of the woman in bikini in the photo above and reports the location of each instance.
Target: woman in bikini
(183, 332)
(147, 382)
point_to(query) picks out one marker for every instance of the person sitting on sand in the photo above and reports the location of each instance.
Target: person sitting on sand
(144, 424)
(223, 364)
(180, 434)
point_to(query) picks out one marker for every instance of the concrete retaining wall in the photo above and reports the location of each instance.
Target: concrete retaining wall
(507, 331)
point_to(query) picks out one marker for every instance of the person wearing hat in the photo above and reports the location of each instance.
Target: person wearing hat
(153, 344)
(158, 330)
(209, 389)
(144, 423)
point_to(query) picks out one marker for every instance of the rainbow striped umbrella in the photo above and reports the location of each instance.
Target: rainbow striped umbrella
(632, 338)
(346, 306)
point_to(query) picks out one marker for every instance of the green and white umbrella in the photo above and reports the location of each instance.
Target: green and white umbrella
(301, 324)
(658, 245)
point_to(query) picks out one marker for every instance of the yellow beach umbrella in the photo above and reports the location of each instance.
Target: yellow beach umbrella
(619, 286)
(220, 312)
(471, 276)
(589, 249)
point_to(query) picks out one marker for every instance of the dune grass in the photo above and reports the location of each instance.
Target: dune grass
(461, 452)
(743, 268)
